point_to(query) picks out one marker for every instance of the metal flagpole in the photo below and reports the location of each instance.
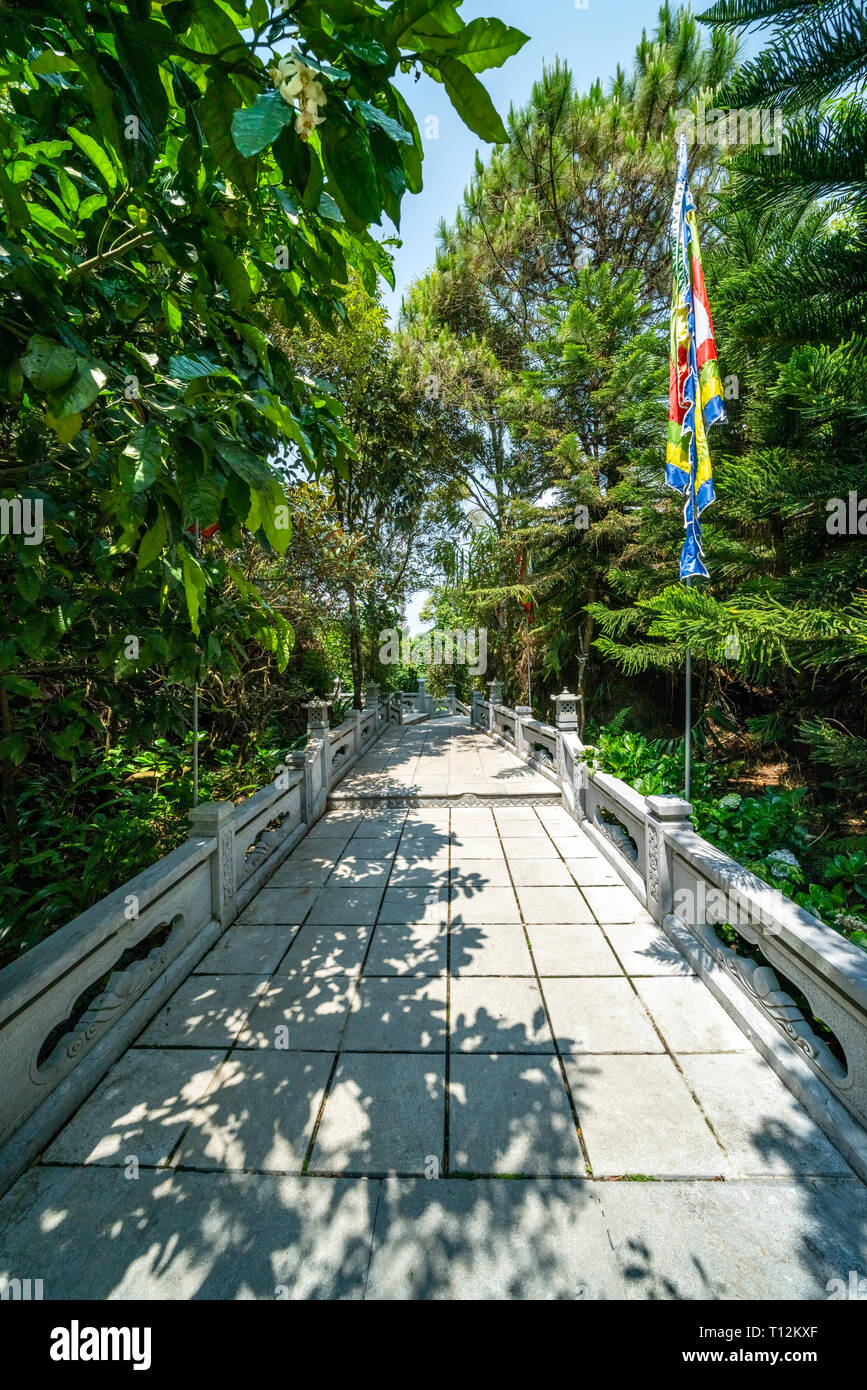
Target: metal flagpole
(688, 722)
(196, 715)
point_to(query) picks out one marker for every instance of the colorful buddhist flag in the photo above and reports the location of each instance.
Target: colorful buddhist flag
(693, 375)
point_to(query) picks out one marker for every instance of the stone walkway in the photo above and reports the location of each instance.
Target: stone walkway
(444, 1053)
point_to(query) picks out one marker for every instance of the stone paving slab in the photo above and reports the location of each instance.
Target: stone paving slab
(259, 1113)
(490, 949)
(526, 847)
(397, 1014)
(327, 950)
(248, 950)
(579, 949)
(689, 1017)
(383, 828)
(645, 950)
(519, 825)
(339, 906)
(407, 950)
(361, 870)
(575, 847)
(477, 822)
(654, 1130)
(477, 901)
(334, 825)
(278, 907)
(494, 1014)
(615, 905)
(762, 1126)
(140, 1110)
(565, 905)
(474, 875)
(757, 1240)
(540, 873)
(511, 1115)
(187, 1235)
(471, 848)
(303, 871)
(385, 1113)
(595, 872)
(459, 1239)
(416, 905)
(300, 1010)
(206, 1011)
(599, 1015)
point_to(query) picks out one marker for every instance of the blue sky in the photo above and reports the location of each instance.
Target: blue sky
(592, 40)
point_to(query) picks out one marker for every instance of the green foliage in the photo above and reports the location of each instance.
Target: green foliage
(172, 226)
(774, 835)
(118, 812)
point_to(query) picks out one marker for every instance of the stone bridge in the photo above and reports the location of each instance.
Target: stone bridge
(444, 1050)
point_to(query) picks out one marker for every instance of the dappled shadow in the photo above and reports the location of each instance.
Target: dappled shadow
(317, 1138)
(796, 1238)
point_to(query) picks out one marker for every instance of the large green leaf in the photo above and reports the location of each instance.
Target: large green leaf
(233, 274)
(216, 111)
(471, 101)
(47, 364)
(186, 367)
(80, 392)
(152, 543)
(373, 116)
(351, 172)
(202, 498)
(142, 457)
(244, 462)
(276, 520)
(96, 153)
(484, 43)
(194, 587)
(410, 18)
(257, 126)
(137, 41)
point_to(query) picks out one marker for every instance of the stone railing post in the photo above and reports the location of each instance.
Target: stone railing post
(451, 697)
(495, 697)
(301, 764)
(421, 697)
(319, 745)
(580, 784)
(522, 712)
(475, 716)
(662, 811)
(215, 818)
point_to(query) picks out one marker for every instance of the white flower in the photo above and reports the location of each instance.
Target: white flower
(305, 123)
(850, 922)
(730, 802)
(299, 86)
(784, 858)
